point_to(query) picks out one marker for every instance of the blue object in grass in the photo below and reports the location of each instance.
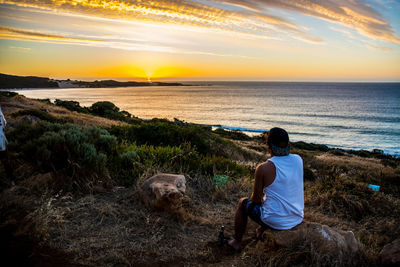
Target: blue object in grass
(220, 180)
(374, 187)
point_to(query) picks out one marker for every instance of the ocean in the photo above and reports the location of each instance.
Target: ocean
(343, 115)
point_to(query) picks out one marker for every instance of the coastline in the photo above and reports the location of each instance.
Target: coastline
(255, 131)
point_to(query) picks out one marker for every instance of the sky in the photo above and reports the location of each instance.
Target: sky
(229, 40)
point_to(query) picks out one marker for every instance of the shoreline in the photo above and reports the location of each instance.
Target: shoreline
(248, 131)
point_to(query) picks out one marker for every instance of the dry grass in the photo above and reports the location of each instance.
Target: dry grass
(116, 228)
(11, 105)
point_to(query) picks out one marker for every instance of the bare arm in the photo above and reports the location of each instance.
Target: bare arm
(264, 176)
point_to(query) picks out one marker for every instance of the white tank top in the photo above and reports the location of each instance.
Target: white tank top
(283, 206)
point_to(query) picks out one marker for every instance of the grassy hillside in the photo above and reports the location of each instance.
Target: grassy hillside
(74, 199)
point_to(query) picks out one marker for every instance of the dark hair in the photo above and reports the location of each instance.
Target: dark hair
(278, 137)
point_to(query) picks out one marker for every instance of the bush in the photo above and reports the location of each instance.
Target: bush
(165, 133)
(71, 105)
(109, 110)
(135, 161)
(78, 152)
(8, 94)
(103, 108)
(310, 146)
(236, 135)
(211, 166)
(44, 100)
(337, 152)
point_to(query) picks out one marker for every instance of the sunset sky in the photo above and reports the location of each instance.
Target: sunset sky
(283, 40)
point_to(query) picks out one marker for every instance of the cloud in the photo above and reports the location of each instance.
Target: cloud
(247, 16)
(116, 43)
(246, 21)
(345, 32)
(379, 47)
(354, 14)
(26, 34)
(20, 49)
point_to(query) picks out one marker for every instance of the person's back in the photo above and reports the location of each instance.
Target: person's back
(283, 206)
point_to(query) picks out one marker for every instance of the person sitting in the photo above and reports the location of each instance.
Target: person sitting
(277, 200)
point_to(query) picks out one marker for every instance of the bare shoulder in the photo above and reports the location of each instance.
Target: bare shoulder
(267, 171)
(266, 166)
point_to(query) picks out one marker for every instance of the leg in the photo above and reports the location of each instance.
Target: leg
(259, 231)
(240, 225)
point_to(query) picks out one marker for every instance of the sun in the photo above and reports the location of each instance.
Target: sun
(148, 79)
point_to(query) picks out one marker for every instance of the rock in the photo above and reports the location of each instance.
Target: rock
(325, 239)
(390, 253)
(164, 191)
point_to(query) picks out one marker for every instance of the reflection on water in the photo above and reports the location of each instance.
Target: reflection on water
(347, 115)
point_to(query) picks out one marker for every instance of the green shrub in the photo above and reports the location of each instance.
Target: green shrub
(134, 161)
(44, 100)
(109, 110)
(220, 165)
(310, 146)
(165, 133)
(337, 152)
(127, 159)
(8, 94)
(71, 105)
(236, 135)
(77, 152)
(103, 108)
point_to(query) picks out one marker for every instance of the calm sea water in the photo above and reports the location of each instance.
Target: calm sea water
(344, 115)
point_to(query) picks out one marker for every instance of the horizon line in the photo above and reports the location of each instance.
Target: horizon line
(222, 79)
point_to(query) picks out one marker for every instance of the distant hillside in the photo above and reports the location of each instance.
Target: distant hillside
(13, 81)
(112, 83)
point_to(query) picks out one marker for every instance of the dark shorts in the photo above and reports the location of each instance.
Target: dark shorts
(254, 212)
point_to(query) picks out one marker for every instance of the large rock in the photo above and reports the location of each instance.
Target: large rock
(390, 253)
(164, 191)
(325, 239)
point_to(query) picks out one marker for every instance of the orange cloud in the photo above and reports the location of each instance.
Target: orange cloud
(353, 14)
(178, 12)
(248, 17)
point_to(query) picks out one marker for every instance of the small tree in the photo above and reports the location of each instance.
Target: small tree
(103, 107)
